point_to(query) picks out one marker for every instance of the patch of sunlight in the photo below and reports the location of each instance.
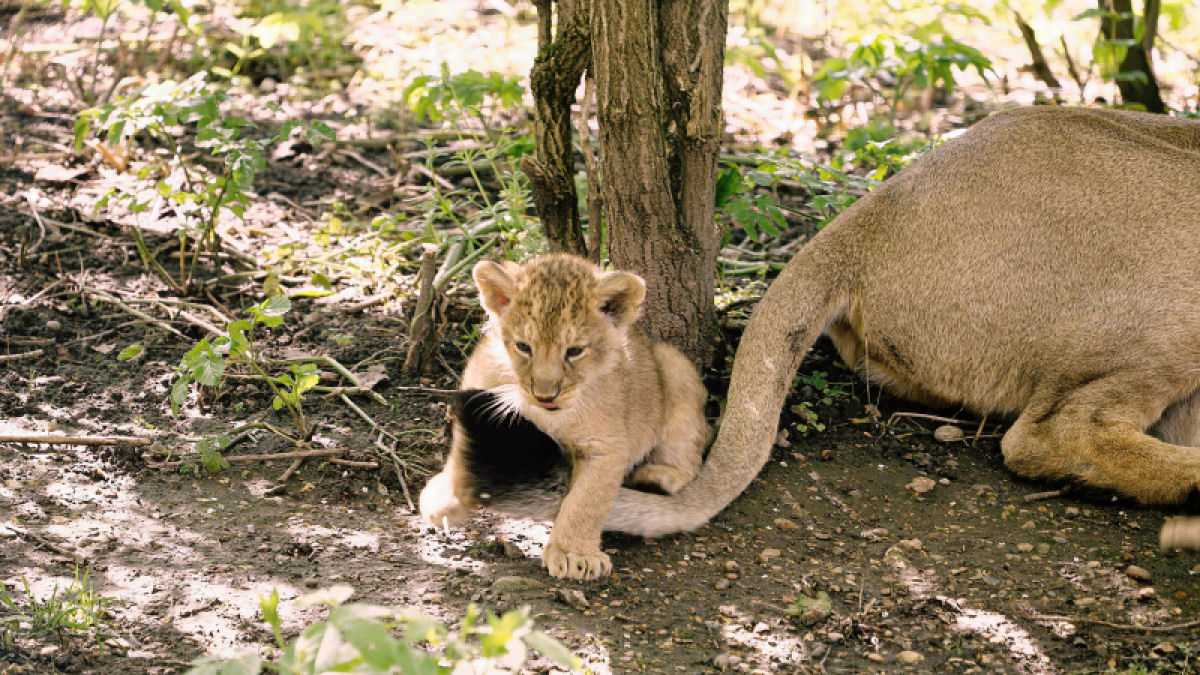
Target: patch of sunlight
(995, 627)
(308, 533)
(769, 643)
(528, 535)
(439, 548)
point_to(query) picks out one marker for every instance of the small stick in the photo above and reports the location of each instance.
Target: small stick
(138, 313)
(4, 358)
(37, 538)
(349, 462)
(1170, 628)
(369, 302)
(63, 439)
(923, 416)
(283, 477)
(298, 454)
(422, 330)
(1049, 494)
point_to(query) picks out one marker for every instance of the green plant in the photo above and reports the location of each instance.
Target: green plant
(77, 609)
(824, 393)
(197, 194)
(890, 68)
(282, 35)
(360, 638)
(206, 362)
(478, 95)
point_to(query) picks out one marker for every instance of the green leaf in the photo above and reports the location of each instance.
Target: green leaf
(552, 649)
(276, 305)
(130, 352)
(209, 368)
(372, 640)
(179, 393)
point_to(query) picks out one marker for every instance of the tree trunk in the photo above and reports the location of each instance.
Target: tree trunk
(657, 67)
(560, 63)
(1135, 76)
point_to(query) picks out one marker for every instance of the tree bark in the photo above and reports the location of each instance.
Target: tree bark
(1134, 88)
(657, 69)
(560, 64)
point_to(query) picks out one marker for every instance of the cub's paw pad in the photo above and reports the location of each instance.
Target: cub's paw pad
(658, 478)
(438, 504)
(580, 565)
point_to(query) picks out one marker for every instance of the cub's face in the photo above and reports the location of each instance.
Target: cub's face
(563, 322)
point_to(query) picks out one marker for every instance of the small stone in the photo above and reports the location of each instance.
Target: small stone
(948, 433)
(732, 566)
(914, 544)
(876, 657)
(1145, 593)
(511, 550)
(722, 584)
(53, 324)
(1071, 511)
(1139, 573)
(761, 627)
(1025, 547)
(921, 485)
(573, 597)
(725, 661)
(835, 636)
(909, 657)
(1084, 602)
(12, 484)
(812, 611)
(768, 554)
(785, 524)
(311, 582)
(874, 534)
(513, 584)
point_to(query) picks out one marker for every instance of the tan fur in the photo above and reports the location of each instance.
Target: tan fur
(1044, 266)
(621, 401)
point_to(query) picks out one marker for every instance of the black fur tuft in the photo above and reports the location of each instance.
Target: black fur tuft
(505, 455)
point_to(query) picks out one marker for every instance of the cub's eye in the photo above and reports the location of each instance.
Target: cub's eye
(573, 352)
(523, 347)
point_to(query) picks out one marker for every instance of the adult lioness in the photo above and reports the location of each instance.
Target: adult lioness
(1045, 265)
(563, 353)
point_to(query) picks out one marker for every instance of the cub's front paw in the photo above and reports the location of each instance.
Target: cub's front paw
(583, 565)
(439, 505)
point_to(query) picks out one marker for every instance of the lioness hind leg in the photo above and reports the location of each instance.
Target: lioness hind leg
(676, 457)
(1102, 445)
(1180, 423)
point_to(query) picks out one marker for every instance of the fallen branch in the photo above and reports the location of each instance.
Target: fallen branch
(4, 358)
(270, 457)
(1040, 67)
(422, 331)
(130, 310)
(63, 439)
(60, 549)
(1170, 628)
(1049, 494)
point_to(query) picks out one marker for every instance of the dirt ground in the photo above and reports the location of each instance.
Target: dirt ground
(959, 572)
(931, 556)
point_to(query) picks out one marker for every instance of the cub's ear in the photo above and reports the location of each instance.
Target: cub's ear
(620, 296)
(496, 286)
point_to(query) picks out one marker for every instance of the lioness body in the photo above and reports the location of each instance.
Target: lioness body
(562, 351)
(1045, 265)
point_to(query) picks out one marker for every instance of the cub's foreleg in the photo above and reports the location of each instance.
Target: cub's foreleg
(679, 450)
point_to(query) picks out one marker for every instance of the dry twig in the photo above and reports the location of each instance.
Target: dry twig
(63, 439)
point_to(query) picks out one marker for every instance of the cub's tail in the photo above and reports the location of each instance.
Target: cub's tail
(792, 314)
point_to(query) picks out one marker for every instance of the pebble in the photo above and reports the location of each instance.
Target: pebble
(722, 584)
(1025, 547)
(511, 550)
(785, 524)
(768, 554)
(53, 324)
(948, 433)
(732, 566)
(876, 657)
(914, 544)
(761, 627)
(573, 597)
(921, 484)
(909, 657)
(512, 584)
(1139, 573)
(726, 661)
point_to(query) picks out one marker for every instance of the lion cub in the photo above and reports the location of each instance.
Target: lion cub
(561, 350)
